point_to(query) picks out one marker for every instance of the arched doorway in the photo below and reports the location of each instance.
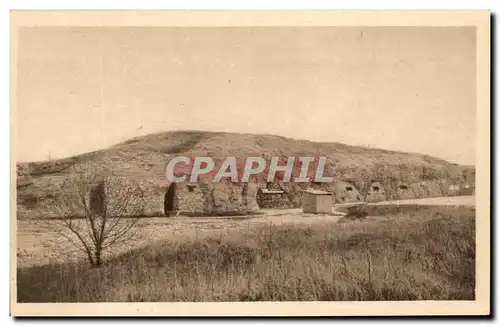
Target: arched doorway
(169, 201)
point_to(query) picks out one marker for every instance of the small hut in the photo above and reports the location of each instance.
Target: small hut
(317, 201)
(267, 198)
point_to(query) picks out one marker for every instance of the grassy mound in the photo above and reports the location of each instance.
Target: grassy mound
(408, 254)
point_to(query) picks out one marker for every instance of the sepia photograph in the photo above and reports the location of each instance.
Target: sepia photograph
(265, 163)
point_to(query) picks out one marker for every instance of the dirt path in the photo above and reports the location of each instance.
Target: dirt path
(439, 201)
(452, 201)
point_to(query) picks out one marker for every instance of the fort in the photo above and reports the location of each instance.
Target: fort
(349, 173)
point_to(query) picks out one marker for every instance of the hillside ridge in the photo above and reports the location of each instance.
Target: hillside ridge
(150, 140)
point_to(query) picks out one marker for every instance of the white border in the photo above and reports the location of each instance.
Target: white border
(187, 4)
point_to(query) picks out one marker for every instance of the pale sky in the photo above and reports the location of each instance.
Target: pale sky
(401, 88)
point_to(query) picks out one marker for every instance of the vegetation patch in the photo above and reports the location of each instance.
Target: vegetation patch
(425, 254)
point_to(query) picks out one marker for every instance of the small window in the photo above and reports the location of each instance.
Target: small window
(403, 187)
(191, 188)
(376, 188)
(348, 188)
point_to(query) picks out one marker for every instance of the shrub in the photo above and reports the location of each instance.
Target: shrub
(356, 212)
(415, 255)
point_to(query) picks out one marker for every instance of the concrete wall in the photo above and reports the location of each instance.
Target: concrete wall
(346, 192)
(376, 192)
(468, 191)
(405, 191)
(214, 199)
(191, 199)
(324, 204)
(428, 188)
(224, 198)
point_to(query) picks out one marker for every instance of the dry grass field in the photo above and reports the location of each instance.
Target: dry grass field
(396, 253)
(39, 243)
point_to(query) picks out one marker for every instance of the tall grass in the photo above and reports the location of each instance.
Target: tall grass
(419, 254)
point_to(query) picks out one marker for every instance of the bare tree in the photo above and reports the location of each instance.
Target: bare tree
(98, 209)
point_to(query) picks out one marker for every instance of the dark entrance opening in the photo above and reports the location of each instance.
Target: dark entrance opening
(403, 187)
(169, 201)
(375, 188)
(348, 188)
